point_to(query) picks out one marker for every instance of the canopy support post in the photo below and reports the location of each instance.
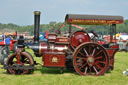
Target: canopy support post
(70, 29)
(112, 32)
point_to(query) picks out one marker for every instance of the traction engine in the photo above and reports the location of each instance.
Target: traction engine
(76, 51)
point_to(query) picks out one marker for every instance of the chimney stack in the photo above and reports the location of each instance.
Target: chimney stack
(36, 26)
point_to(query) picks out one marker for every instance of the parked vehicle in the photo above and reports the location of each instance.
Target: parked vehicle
(6, 45)
(77, 51)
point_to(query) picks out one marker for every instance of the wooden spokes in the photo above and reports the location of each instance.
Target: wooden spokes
(90, 59)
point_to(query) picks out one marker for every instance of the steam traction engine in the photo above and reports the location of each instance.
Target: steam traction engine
(76, 51)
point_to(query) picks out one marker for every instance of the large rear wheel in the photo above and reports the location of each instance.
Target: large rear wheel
(90, 59)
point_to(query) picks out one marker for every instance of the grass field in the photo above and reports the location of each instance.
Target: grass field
(52, 76)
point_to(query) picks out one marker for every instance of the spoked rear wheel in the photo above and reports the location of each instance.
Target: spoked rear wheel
(26, 60)
(90, 59)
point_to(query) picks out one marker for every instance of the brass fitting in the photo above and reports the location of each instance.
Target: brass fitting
(37, 12)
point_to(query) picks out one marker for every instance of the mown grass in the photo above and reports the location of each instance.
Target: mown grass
(52, 76)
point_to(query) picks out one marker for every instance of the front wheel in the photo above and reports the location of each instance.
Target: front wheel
(90, 59)
(26, 60)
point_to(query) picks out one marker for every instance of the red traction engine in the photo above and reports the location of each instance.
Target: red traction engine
(77, 51)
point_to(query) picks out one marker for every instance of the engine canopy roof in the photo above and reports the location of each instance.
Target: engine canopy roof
(92, 19)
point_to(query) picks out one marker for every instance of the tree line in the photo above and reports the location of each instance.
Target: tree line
(52, 26)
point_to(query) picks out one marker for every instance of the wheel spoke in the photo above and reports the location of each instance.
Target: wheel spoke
(98, 53)
(80, 62)
(81, 53)
(25, 61)
(99, 67)
(81, 58)
(100, 57)
(93, 52)
(83, 65)
(100, 62)
(85, 70)
(86, 52)
(95, 69)
(90, 59)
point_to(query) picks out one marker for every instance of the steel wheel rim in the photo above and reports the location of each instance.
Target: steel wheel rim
(91, 62)
(25, 61)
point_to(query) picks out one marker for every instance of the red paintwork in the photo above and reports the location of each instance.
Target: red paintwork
(78, 27)
(52, 48)
(12, 43)
(18, 55)
(43, 48)
(46, 34)
(71, 25)
(52, 38)
(59, 48)
(87, 57)
(107, 38)
(115, 46)
(2, 43)
(78, 36)
(111, 52)
(91, 59)
(101, 42)
(48, 50)
(60, 27)
(54, 60)
(62, 40)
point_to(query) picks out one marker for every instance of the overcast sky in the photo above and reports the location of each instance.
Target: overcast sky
(21, 11)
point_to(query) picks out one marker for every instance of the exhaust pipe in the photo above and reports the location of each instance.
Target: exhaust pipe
(36, 26)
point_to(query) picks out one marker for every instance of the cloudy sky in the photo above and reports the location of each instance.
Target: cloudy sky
(21, 11)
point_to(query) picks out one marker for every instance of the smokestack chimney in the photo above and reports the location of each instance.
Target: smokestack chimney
(36, 26)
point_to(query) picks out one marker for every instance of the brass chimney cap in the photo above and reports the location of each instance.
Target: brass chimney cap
(37, 12)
